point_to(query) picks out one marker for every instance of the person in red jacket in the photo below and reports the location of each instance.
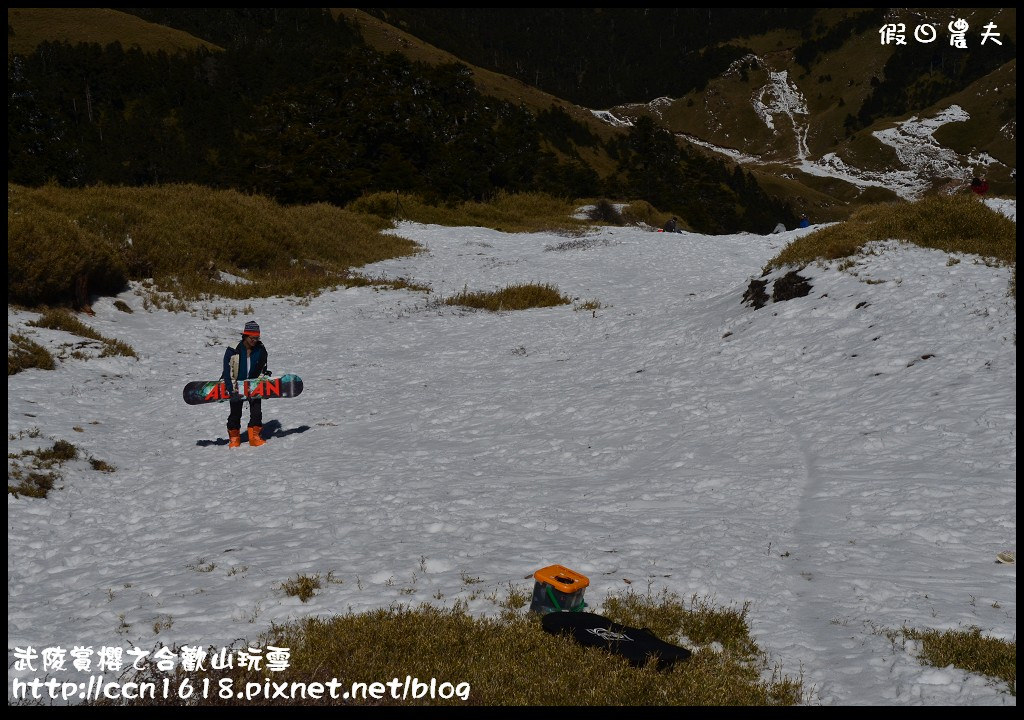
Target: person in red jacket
(979, 185)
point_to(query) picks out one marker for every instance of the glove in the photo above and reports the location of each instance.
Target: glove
(232, 389)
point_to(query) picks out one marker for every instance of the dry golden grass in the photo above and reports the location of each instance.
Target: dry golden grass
(302, 586)
(506, 212)
(32, 26)
(32, 484)
(23, 354)
(642, 212)
(183, 237)
(954, 224)
(510, 661)
(513, 297)
(59, 319)
(968, 650)
(193, 242)
(32, 473)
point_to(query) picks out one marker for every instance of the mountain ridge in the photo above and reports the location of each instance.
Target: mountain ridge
(844, 71)
(766, 113)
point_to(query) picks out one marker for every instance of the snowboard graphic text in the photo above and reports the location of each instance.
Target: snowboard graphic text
(247, 388)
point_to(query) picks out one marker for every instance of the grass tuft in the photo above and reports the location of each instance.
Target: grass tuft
(31, 473)
(59, 319)
(303, 587)
(513, 297)
(970, 651)
(61, 451)
(398, 283)
(117, 347)
(23, 354)
(606, 213)
(591, 305)
(102, 465)
(32, 484)
(699, 621)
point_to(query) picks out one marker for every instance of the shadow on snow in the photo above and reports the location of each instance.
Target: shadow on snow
(271, 429)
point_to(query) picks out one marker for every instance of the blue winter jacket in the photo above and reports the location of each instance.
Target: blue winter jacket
(249, 366)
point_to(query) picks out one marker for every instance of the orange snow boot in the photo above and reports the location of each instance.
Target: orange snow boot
(234, 438)
(254, 436)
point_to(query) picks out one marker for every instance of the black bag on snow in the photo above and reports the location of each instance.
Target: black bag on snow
(638, 645)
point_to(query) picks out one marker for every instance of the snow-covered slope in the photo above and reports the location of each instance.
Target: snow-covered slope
(845, 462)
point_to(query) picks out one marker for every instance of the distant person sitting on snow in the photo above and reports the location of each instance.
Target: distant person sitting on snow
(246, 360)
(672, 226)
(979, 185)
(804, 222)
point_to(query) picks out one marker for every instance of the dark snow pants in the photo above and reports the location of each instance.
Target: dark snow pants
(255, 414)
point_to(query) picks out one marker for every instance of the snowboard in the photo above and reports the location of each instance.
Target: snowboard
(638, 645)
(202, 392)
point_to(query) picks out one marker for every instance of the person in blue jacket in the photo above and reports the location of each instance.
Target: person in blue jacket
(246, 360)
(804, 222)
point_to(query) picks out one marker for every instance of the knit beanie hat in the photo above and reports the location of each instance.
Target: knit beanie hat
(251, 328)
